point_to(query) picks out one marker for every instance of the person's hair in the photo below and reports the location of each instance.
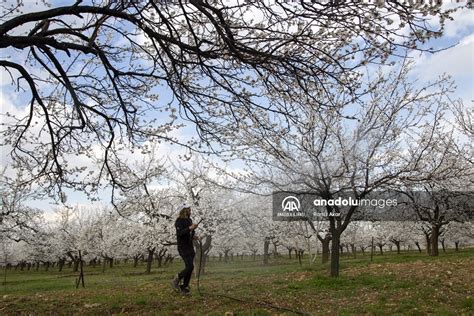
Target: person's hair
(185, 212)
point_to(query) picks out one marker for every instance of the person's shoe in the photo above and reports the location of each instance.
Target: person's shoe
(175, 284)
(185, 291)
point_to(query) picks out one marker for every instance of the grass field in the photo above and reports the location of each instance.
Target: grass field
(412, 284)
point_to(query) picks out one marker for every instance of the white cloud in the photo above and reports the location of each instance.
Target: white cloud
(457, 61)
(463, 21)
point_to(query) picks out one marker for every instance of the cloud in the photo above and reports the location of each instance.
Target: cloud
(462, 23)
(457, 61)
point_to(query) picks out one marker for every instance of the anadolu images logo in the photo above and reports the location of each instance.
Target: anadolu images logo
(290, 204)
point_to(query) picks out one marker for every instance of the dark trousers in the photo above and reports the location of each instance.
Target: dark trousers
(188, 258)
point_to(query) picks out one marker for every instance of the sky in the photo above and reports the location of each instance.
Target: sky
(456, 58)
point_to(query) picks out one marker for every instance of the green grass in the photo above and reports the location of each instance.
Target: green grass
(405, 284)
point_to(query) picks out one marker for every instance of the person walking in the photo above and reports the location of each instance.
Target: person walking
(185, 230)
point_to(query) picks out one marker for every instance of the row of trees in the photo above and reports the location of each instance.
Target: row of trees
(104, 237)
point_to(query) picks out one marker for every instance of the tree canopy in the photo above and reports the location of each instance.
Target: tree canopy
(100, 77)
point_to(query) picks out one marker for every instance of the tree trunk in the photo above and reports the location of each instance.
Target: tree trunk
(80, 279)
(325, 255)
(443, 244)
(418, 246)
(397, 244)
(380, 248)
(149, 261)
(202, 249)
(335, 246)
(266, 245)
(456, 244)
(76, 265)
(226, 256)
(428, 243)
(135, 261)
(434, 240)
(61, 264)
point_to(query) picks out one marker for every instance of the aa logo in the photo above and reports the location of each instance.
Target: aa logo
(290, 204)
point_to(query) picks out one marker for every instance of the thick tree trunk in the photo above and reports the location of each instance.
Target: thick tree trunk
(434, 240)
(428, 243)
(325, 255)
(456, 244)
(335, 246)
(135, 261)
(149, 260)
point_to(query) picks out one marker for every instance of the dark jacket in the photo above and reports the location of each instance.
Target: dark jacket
(184, 235)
